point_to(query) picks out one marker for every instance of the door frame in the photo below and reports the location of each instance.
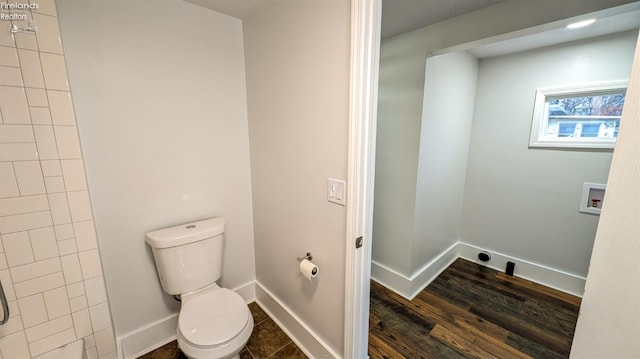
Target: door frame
(363, 106)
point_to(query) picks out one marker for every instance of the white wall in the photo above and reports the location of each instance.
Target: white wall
(449, 96)
(49, 258)
(608, 326)
(401, 93)
(161, 109)
(297, 56)
(524, 202)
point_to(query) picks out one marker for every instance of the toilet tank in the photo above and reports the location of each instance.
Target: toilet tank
(189, 256)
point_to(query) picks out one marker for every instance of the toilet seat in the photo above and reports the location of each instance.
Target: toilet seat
(212, 317)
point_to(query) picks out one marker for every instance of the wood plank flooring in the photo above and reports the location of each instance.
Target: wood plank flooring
(471, 311)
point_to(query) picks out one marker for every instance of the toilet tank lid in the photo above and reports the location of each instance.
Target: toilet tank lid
(185, 233)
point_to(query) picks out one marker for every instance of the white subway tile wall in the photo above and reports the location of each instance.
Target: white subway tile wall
(49, 260)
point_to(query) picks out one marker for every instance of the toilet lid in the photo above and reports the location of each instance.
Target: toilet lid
(212, 318)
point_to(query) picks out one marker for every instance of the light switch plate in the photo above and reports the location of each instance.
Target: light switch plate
(336, 191)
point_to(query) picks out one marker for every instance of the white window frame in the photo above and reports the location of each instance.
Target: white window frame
(540, 120)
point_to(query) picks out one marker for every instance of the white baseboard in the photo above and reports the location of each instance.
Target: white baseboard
(409, 287)
(247, 291)
(304, 337)
(148, 338)
(550, 277)
(430, 271)
(163, 331)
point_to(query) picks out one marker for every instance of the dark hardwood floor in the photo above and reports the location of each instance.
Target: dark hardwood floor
(471, 311)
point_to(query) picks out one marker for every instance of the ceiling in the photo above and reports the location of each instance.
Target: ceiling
(236, 8)
(605, 24)
(399, 16)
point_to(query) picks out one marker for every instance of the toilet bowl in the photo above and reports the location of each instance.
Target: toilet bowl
(214, 322)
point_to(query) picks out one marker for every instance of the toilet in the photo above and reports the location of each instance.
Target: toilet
(214, 322)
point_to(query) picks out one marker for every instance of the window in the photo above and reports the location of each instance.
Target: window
(586, 116)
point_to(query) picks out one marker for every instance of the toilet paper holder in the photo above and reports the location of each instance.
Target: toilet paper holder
(307, 257)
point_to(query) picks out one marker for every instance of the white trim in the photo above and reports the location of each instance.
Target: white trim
(409, 287)
(430, 271)
(550, 277)
(537, 138)
(148, 338)
(247, 291)
(303, 336)
(363, 104)
(156, 334)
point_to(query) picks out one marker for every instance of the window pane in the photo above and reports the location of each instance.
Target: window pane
(594, 116)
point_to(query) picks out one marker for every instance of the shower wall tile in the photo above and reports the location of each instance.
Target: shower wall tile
(40, 115)
(18, 152)
(64, 231)
(16, 134)
(19, 205)
(14, 327)
(71, 268)
(23, 222)
(29, 176)
(44, 244)
(51, 168)
(46, 142)
(37, 97)
(9, 292)
(78, 303)
(50, 264)
(68, 142)
(61, 107)
(8, 183)
(33, 309)
(25, 40)
(100, 317)
(48, 35)
(31, 68)
(38, 285)
(54, 184)
(17, 247)
(52, 342)
(96, 291)
(105, 342)
(50, 327)
(8, 56)
(90, 264)
(47, 7)
(10, 76)
(85, 235)
(35, 270)
(82, 323)
(75, 290)
(6, 39)
(80, 206)
(13, 105)
(67, 246)
(57, 302)
(55, 71)
(59, 208)
(73, 172)
(14, 346)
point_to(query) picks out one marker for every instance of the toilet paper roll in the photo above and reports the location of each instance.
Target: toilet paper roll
(308, 269)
